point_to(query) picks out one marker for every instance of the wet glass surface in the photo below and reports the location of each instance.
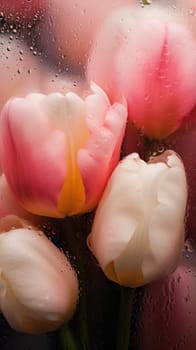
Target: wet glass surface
(45, 47)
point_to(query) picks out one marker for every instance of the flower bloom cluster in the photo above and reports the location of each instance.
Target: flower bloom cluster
(59, 157)
(57, 153)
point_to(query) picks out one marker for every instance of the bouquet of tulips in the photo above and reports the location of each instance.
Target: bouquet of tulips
(98, 160)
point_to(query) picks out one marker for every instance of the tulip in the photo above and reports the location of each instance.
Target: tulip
(38, 287)
(138, 230)
(57, 152)
(147, 55)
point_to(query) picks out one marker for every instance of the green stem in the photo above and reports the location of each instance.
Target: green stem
(82, 323)
(67, 339)
(77, 249)
(124, 320)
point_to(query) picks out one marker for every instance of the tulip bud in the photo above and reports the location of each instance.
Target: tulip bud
(138, 230)
(148, 55)
(38, 287)
(57, 152)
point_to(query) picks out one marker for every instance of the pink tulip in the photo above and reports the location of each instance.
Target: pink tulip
(57, 152)
(149, 56)
(38, 287)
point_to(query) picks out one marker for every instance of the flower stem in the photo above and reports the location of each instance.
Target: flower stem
(124, 320)
(67, 339)
(76, 245)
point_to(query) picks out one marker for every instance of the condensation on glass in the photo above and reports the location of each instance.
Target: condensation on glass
(45, 47)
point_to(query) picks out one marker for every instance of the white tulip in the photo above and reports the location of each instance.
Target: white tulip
(38, 287)
(138, 230)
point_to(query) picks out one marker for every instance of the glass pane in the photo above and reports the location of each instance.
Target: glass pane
(142, 55)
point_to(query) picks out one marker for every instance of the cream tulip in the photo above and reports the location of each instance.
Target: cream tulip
(138, 230)
(38, 287)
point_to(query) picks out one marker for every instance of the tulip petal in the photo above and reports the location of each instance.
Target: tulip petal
(103, 147)
(10, 206)
(72, 196)
(39, 289)
(167, 218)
(28, 167)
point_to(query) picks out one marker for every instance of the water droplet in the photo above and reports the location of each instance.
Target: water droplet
(161, 148)
(189, 245)
(146, 98)
(179, 278)
(192, 12)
